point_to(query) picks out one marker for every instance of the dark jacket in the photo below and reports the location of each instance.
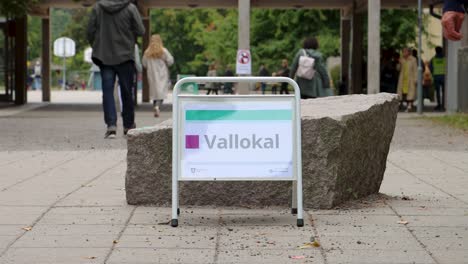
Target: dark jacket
(455, 5)
(317, 87)
(113, 28)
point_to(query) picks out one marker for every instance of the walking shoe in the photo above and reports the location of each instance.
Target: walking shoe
(110, 134)
(127, 129)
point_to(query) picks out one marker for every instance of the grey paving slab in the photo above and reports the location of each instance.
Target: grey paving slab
(267, 231)
(432, 211)
(32, 240)
(208, 218)
(384, 243)
(437, 221)
(376, 256)
(445, 243)
(168, 242)
(87, 216)
(263, 241)
(270, 256)
(29, 167)
(76, 230)
(451, 256)
(54, 255)
(20, 215)
(458, 159)
(11, 230)
(155, 255)
(399, 231)
(5, 241)
(105, 191)
(356, 220)
(261, 220)
(167, 230)
(375, 210)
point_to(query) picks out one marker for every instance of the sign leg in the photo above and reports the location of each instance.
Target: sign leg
(175, 203)
(294, 198)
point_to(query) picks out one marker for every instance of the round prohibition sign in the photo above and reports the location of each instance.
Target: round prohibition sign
(244, 57)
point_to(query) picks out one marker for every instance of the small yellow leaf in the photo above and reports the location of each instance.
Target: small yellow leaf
(90, 257)
(28, 228)
(402, 222)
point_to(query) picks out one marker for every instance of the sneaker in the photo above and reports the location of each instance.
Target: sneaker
(127, 129)
(110, 134)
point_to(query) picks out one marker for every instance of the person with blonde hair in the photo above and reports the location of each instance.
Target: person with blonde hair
(157, 60)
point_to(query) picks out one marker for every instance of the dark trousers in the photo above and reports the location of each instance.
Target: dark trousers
(284, 88)
(439, 82)
(125, 72)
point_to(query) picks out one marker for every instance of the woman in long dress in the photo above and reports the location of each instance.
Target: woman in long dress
(157, 60)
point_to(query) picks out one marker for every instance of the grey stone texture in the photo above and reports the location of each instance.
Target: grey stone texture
(345, 143)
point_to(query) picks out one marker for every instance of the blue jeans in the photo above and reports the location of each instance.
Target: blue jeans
(125, 72)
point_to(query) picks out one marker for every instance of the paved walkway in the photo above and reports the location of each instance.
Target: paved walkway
(62, 200)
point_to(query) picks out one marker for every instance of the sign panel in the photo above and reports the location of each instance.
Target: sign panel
(244, 62)
(237, 140)
(64, 47)
(88, 54)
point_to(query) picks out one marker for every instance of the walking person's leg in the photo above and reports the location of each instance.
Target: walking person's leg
(442, 90)
(108, 104)
(438, 93)
(263, 88)
(125, 73)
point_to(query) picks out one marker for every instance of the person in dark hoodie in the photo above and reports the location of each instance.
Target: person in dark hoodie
(113, 29)
(452, 20)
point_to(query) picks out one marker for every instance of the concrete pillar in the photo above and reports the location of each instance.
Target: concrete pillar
(356, 56)
(345, 47)
(373, 47)
(146, 41)
(243, 35)
(21, 43)
(45, 65)
(451, 85)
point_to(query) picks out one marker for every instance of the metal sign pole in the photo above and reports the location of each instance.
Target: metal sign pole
(419, 58)
(297, 180)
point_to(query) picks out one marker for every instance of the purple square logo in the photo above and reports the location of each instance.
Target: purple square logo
(192, 142)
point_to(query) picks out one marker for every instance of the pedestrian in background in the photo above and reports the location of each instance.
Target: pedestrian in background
(437, 67)
(284, 72)
(211, 87)
(319, 84)
(229, 85)
(112, 31)
(157, 60)
(408, 79)
(263, 72)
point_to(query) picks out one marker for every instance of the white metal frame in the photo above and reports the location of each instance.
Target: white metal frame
(297, 179)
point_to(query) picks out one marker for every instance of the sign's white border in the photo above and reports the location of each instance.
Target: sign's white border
(206, 100)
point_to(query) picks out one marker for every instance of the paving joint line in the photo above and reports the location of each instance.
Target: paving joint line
(316, 236)
(119, 236)
(218, 236)
(445, 162)
(428, 183)
(413, 235)
(14, 161)
(41, 173)
(2, 253)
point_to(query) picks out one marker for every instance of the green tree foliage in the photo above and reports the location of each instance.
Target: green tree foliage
(199, 37)
(15, 8)
(398, 28)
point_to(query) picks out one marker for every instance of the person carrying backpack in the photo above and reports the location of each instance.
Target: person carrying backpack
(309, 70)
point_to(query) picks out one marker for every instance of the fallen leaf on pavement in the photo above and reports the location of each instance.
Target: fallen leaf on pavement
(297, 257)
(403, 222)
(90, 257)
(310, 245)
(115, 241)
(28, 228)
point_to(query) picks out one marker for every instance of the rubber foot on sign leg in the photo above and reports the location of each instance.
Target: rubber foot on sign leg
(174, 222)
(178, 211)
(300, 222)
(293, 211)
